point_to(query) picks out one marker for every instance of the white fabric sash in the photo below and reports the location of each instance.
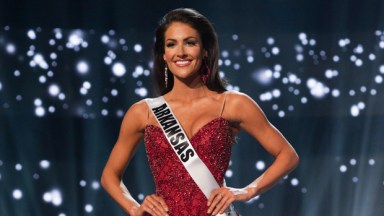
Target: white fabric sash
(183, 148)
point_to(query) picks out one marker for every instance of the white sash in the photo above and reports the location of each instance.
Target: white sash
(183, 148)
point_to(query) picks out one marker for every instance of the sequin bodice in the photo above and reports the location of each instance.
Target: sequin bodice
(213, 144)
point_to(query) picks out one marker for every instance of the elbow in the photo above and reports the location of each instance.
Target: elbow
(291, 159)
(295, 160)
(103, 179)
(109, 178)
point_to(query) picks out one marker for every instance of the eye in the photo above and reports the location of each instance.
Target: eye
(170, 44)
(191, 43)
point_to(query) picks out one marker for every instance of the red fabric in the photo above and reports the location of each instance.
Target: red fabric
(213, 143)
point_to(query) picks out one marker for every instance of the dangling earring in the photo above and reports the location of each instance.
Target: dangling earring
(166, 75)
(205, 72)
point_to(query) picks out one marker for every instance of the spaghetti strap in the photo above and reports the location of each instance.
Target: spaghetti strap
(222, 106)
(147, 116)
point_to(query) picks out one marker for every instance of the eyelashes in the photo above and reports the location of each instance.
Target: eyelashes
(188, 43)
(169, 45)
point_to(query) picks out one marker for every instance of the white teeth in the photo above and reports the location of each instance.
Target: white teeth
(182, 62)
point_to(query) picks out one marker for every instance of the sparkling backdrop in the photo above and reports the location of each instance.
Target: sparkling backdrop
(297, 67)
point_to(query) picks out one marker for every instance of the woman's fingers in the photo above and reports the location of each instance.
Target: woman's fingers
(162, 204)
(219, 201)
(223, 204)
(155, 205)
(214, 200)
(211, 198)
(159, 205)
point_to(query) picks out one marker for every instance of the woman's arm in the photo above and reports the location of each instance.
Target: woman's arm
(252, 119)
(241, 109)
(131, 133)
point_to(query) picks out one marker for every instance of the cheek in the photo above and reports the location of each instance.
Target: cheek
(169, 54)
(167, 57)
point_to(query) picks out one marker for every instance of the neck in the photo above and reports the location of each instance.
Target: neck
(188, 91)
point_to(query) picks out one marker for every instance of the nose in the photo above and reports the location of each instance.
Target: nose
(181, 52)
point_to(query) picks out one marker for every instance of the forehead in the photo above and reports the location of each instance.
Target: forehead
(180, 30)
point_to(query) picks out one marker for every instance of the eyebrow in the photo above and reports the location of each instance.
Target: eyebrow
(191, 37)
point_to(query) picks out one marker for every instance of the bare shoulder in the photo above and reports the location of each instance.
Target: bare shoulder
(236, 98)
(139, 106)
(137, 115)
(239, 106)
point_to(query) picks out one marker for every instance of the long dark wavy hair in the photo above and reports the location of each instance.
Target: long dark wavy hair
(209, 41)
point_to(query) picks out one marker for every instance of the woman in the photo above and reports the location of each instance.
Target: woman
(186, 69)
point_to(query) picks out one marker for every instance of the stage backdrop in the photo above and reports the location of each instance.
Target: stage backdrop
(70, 70)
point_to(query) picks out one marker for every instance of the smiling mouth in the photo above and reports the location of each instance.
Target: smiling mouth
(182, 63)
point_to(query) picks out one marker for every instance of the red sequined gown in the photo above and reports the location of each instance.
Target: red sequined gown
(213, 143)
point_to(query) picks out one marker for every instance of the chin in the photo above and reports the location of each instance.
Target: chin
(185, 74)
